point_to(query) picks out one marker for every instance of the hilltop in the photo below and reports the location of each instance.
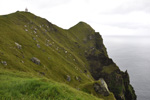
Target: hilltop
(40, 60)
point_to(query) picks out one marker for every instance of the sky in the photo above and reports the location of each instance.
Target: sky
(109, 17)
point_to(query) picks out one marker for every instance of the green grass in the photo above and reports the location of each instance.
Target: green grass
(60, 63)
(21, 87)
(61, 52)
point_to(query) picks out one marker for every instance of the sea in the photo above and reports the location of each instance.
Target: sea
(132, 53)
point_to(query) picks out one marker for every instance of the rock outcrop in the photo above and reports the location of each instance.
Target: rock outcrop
(102, 66)
(101, 88)
(36, 60)
(4, 63)
(68, 78)
(18, 45)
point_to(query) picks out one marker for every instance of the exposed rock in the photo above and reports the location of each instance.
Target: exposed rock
(18, 45)
(4, 63)
(26, 30)
(34, 38)
(129, 93)
(78, 78)
(91, 37)
(35, 60)
(68, 78)
(47, 40)
(101, 88)
(115, 80)
(35, 32)
(65, 51)
(57, 48)
(22, 61)
(38, 46)
(35, 29)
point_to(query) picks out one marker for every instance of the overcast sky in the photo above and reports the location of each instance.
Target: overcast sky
(109, 17)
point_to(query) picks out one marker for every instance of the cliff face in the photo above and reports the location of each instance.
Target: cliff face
(75, 57)
(101, 66)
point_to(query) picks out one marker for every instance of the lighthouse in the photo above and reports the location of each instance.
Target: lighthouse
(26, 10)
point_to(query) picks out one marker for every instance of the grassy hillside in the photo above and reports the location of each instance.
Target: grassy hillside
(39, 60)
(20, 86)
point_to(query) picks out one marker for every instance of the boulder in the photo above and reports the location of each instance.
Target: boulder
(78, 78)
(91, 37)
(18, 45)
(4, 63)
(26, 30)
(22, 61)
(66, 51)
(68, 78)
(34, 38)
(34, 32)
(101, 87)
(35, 60)
(38, 46)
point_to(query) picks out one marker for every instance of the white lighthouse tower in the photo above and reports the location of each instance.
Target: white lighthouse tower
(26, 10)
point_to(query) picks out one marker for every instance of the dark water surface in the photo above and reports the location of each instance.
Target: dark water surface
(132, 53)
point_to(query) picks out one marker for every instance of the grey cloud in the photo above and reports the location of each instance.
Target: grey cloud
(130, 6)
(137, 5)
(129, 25)
(43, 4)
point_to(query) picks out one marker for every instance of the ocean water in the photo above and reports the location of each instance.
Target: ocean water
(132, 53)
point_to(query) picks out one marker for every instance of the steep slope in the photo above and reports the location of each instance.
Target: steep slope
(100, 65)
(47, 54)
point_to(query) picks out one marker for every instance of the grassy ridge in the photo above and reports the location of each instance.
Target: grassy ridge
(61, 54)
(56, 64)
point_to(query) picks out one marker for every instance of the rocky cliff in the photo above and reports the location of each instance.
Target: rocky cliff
(32, 47)
(101, 66)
